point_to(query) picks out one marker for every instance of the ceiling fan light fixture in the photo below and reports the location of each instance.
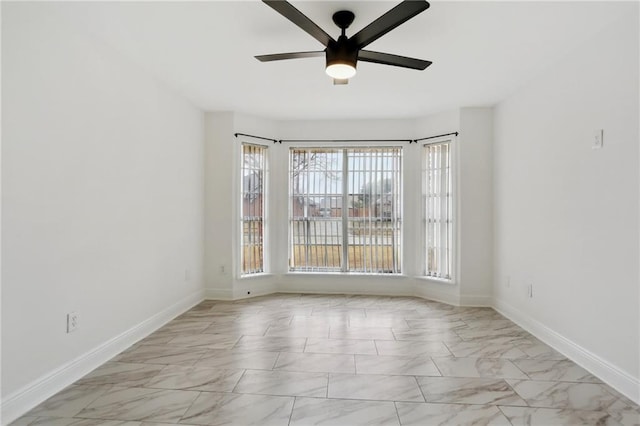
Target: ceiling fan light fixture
(341, 59)
(340, 71)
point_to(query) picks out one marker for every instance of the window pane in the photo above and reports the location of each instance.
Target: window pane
(252, 220)
(316, 209)
(374, 210)
(345, 209)
(438, 203)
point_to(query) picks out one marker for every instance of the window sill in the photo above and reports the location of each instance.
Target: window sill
(344, 274)
(255, 276)
(361, 274)
(437, 280)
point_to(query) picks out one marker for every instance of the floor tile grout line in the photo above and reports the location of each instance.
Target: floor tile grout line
(266, 330)
(394, 335)
(276, 361)
(108, 388)
(420, 388)
(449, 349)
(189, 407)
(516, 392)
(395, 405)
(523, 372)
(437, 368)
(239, 380)
(293, 407)
(327, 392)
(504, 414)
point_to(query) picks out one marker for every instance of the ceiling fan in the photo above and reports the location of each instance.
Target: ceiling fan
(342, 55)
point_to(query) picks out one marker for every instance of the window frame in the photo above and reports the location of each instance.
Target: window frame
(453, 213)
(264, 193)
(344, 223)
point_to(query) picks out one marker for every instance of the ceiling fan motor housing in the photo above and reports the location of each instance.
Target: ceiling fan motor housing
(342, 52)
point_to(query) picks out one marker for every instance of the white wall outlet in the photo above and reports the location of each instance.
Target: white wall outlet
(222, 270)
(530, 291)
(598, 139)
(72, 321)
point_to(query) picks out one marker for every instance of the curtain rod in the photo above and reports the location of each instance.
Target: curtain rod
(344, 140)
(256, 137)
(436, 136)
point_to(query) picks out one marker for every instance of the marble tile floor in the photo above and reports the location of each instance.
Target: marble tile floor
(291, 359)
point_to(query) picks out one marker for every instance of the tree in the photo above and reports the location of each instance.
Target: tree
(253, 165)
(370, 192)
(304, 160)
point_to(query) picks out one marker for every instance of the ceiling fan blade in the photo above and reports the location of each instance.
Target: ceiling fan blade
(292, 55)
(285, 9)
(395, 60)
(340, 81)
(396, 16)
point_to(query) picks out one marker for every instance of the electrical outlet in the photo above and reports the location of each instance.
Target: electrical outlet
(598, 139)
(530, 291)
(72, 321)
(222, 270)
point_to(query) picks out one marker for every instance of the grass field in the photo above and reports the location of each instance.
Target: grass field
(328, 257)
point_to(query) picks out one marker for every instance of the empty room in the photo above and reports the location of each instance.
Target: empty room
(320, 213)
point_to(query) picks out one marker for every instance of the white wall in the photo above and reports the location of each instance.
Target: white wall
(222, 157)
(566, 216)
(218, 222)
(475, 207)
(102, 196)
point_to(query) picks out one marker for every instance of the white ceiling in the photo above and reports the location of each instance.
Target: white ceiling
(481, 52)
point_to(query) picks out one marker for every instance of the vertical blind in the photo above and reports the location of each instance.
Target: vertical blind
(438, 210)
(345, 209)
(252, 211)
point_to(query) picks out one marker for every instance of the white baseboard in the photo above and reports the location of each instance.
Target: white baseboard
(254, 292)
(428, 292)
(294, 290)
(472, 300)
(620, 380)
(337, 293)
(23, 400)
(269, 288)
(211, 293)
(254, 287)
(349, 284)
(356, 284)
